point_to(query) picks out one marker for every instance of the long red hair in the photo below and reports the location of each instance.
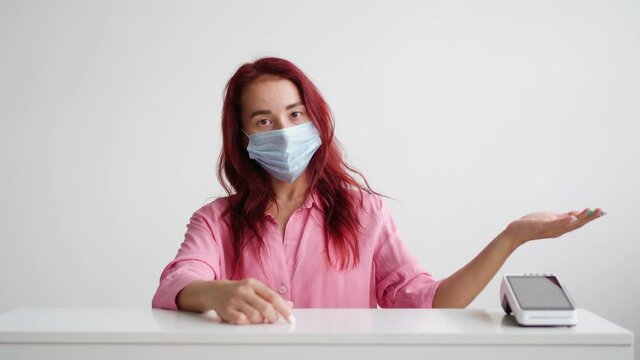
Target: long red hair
(248, 184)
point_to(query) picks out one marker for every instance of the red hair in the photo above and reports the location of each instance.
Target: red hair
(248, 184)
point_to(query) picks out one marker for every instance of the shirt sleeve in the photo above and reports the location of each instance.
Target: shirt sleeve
(400, 280)
(198, 259)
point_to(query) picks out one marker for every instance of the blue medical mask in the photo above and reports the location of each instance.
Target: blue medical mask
(285, 153)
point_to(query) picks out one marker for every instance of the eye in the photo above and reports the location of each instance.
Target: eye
(264, 122)
(299, 114)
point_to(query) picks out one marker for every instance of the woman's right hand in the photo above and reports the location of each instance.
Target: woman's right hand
(246, 301)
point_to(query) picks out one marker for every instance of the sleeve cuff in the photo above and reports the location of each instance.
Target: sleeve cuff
(176, 279)
(408, 287)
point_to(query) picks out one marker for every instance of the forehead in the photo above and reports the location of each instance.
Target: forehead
(269, 93)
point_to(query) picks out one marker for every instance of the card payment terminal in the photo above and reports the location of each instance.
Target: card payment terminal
(537, 300)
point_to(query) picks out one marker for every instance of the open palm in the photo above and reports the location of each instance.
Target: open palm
(545, 225)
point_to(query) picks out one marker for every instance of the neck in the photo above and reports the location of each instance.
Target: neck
(287, 192)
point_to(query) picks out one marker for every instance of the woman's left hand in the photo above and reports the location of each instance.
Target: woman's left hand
(545, 225)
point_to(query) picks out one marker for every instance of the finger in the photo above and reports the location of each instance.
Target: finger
(277, 301)
(235, 317)
(596, 213)
(580, 216)
(265, 308)
(586, 216)
(589, 214)
(569, 217)
(254, 316)
(593, 214)
(561, 222)
(211, 315)
(584, 213)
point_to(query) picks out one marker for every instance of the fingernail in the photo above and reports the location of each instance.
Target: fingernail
(603, 213)
(590, 213)
(291, 319)
(211, 315)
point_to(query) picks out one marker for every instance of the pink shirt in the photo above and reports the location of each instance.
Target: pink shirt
(296, 268)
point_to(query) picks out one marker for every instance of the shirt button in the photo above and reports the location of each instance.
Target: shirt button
(282, 289)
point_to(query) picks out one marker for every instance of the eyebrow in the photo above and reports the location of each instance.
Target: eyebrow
(263, 112)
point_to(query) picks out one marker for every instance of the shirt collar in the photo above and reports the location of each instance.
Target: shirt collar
(312, 199)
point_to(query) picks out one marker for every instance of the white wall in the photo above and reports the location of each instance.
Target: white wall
(470, 113)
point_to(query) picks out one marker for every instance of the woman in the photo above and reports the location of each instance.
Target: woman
(297, 227)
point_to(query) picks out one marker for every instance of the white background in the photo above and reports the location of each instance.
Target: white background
(470, 114)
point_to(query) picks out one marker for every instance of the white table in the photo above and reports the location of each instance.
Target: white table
(68, 333)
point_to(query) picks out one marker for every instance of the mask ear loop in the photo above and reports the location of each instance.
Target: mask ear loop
(247, 135)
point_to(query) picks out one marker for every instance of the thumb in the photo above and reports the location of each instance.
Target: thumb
(570, 217)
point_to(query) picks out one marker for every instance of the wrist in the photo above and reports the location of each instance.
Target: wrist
(196, 296)
(209, 294)
(509, 240)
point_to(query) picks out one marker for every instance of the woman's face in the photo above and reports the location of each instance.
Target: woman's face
(271, 103)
